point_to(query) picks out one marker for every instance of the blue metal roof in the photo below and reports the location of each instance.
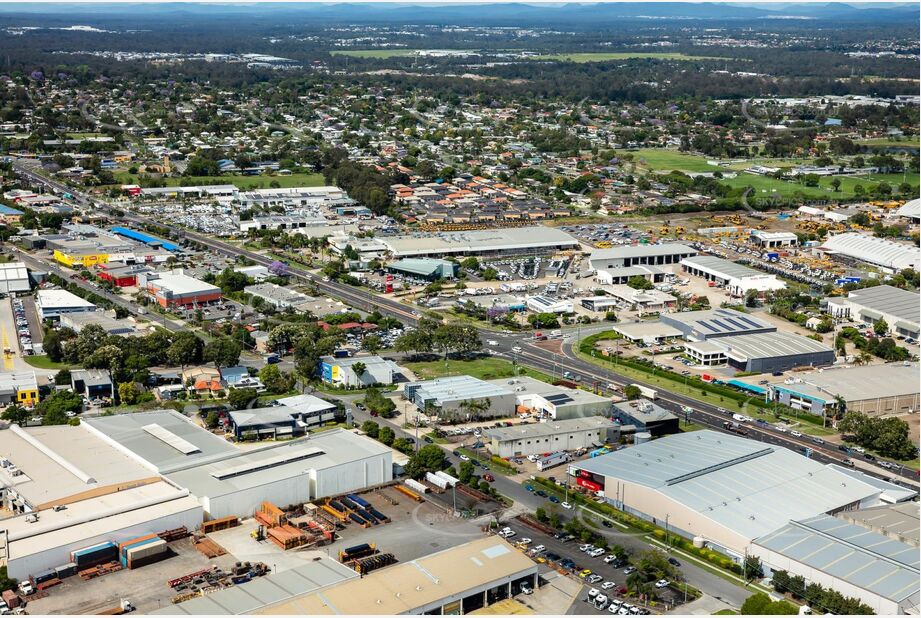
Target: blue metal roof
(145, 238)
(747, 387)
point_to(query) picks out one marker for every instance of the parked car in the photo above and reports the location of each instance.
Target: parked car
(662, 583)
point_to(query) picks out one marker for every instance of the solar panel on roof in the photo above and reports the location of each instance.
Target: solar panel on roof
(165, 435)
(722, 325)
(746, 320)
(558, 399)
(708, 326)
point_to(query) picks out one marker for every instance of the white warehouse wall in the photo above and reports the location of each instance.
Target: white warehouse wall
(26, 565)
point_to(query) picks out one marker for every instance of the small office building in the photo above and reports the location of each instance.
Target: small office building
(93, 383)
(52, 304)
(774, 240)
(553, 401)
(341, 371)
(645, 416)
(19, 387)
(273, 422)
(549, 436)
(451, 398)
(176, 289)
(277, 296)
(310, 410)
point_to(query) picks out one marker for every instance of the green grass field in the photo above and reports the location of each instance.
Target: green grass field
(661, 160)
(242, 182)
(908, 140)
(766, 187)
(482, 368)
(606, 56)
(43, 362)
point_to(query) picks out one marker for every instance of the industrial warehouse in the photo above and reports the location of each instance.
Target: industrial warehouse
(736, 278)
(762, 353)
(723, 491)
(113, 478)
(887, 254)
(504, 241)
(896, 307)
(537, 438)
(875, 390)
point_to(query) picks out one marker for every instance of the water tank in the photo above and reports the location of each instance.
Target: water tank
(641, 437)
(699, 542)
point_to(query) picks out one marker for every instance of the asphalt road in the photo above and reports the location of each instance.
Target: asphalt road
(530, 355)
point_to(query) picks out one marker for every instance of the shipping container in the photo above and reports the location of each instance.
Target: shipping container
(44, 576)
(134, 541)
(451, 480)
(359, 500)
(11, 599)
(436, 480)
(416, 486)
(66, 570)
(138, 552)
(357, 551)
(156, 541)
(94, 555)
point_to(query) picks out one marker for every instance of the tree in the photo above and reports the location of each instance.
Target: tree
(62, 377)
(359, 369)
(465, 473)
(429, 458)
(223, 352)
(632, 392)
(543, 320)
(760, 604)
(418, 340)
(836, 184)
(880, 327)
(16, 414)
(275, 381)
(371, 428)
(185, 349)
(752, 568)
(386, 435)
(212, 420)
(639, 283)
(240, 398)
(372, 343)
(108, 357)
(128, 393)
(54, 409)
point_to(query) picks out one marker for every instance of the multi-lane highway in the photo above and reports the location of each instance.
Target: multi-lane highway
(530, 355)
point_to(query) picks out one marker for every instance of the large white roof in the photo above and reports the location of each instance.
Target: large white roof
(746, 486)
(879, 251)
(61, 299)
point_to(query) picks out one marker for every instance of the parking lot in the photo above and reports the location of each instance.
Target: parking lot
(603, 577)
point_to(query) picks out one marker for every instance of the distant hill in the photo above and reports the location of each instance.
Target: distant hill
(498, 13)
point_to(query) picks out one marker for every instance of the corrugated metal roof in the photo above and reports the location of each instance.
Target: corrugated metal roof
(851, 553)
(742, 484)
(873, 250)
(889, 300)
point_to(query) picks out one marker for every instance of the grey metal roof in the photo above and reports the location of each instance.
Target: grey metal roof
(743, 485)
(725, 268)
(890, 300)
(770, 345)
(896, 521)
(478, 241)
(629, 251)
(643, 409)
(276, 462)
(858, 383)
(550, 392)
(456, 388)
(549, 428)
(711, 322)
(259, 416)
(851, 553)
(127, 430)
(263, 591)
(890, 491)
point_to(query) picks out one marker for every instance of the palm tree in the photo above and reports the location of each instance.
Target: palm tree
(359, 368)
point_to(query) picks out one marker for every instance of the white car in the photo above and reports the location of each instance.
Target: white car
(524, 541)
(592, 593)
(517, 349)
(614, 607)
(796, 434)
(464, 457)
(566, 505)
(610, 558)
(596, 552)
(607, 585)
(780, 428)
(859, 449)
(526, 589)
(538, 549)
(586, 547)
(662, 583)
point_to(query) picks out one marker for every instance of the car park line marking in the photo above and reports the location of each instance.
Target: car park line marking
(613, 521)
